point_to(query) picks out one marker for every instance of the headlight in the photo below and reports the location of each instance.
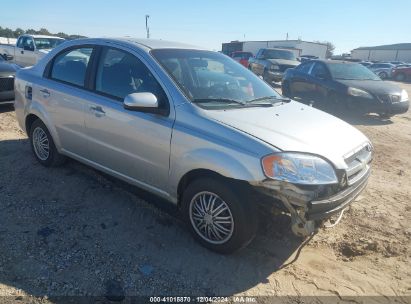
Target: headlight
(274, 67)
(298, 168)
(404, 95)
(358, 93)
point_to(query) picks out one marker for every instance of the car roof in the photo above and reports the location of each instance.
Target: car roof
(333, 61)
(151, 44)
(42, 36)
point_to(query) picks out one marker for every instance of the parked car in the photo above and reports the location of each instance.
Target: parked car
(402, 73)
(384, 70)
(29, 48)
(271, 63)
(7, 74)
(336, 83)
(365, 63)
(195, 128)
(242, 57)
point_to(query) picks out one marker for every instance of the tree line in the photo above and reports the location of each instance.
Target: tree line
(9, 33)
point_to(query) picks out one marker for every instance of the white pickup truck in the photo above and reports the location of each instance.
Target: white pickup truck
(29, 49)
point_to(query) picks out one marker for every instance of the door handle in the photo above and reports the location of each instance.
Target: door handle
(98, 111)
(45, 92)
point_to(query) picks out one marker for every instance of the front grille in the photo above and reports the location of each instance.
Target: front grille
(358, 162)
(389, 98)
(283, 67)
(6, 84)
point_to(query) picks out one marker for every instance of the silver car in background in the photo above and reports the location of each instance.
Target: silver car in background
(383, 70)
(195, 128)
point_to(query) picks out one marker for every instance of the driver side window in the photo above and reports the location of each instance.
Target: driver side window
(120, 74)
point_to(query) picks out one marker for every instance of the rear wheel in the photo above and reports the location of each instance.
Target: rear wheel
(219, 217)
(383, 75)
(43, 146)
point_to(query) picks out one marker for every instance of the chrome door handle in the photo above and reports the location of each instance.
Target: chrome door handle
(98, 111)
(45, 92)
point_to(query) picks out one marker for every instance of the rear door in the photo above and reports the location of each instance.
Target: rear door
(62, 92)
(131, 144)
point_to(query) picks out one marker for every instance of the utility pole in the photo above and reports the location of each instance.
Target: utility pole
(147, 28)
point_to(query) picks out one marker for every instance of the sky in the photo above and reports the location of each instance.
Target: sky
(348, 24)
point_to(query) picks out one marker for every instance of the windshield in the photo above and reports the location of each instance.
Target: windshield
(351, 71)
(212, 79)
(279, 54)
(47, 43)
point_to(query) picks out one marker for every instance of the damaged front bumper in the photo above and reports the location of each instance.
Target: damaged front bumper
(309, 206)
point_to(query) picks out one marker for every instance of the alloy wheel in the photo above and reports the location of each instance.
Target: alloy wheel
(41, 144)
(211, 217)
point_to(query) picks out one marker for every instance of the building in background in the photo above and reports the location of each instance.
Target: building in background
(391, 52)
(299, 47)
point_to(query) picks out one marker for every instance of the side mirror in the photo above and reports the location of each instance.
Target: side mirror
(143, 102)
(28, 48)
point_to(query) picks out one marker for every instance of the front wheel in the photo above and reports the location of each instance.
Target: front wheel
(43, 146)
(218, 217)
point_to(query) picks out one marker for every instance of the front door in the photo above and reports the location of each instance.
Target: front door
(128, 143)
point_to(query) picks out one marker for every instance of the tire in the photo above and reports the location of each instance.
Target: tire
(383, 75)
(400, 77)
(385, 115)
(238, 214)
(43, 146)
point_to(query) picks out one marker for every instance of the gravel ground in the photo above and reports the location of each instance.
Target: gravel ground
(73, 231)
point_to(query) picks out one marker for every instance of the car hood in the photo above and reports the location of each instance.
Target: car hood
(284, 61)
(7, 69)
(295, 127)
(377, 87)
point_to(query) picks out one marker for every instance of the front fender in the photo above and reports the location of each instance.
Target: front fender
(248, 169)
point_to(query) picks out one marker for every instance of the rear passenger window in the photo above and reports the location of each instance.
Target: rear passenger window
(120, 73)
(71, 66)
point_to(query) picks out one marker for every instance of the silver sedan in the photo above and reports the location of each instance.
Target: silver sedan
(195, 128)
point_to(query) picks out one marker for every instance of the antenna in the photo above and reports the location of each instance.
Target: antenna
(147, 28)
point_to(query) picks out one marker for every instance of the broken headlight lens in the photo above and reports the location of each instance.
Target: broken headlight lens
(299, 168)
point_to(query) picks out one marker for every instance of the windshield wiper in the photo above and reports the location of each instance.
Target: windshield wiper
(277, 99)
(223, 100)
